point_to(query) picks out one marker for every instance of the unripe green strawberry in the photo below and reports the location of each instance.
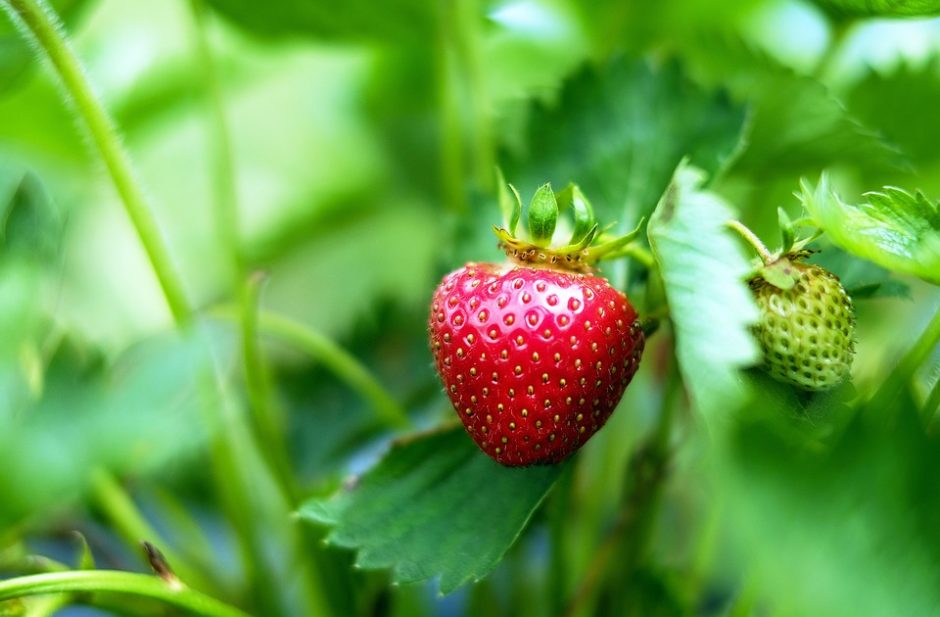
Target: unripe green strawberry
(806, 332)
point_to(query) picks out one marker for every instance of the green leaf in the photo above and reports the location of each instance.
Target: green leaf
(862, 279)
(619, 131)
(542, 215)
(893, 228)
(357, 20)
(434, 506)
(146, 410)
(902, 105)
(801, 132)
(843, 530)
(30, 224)
(885, 8)
(703, 269)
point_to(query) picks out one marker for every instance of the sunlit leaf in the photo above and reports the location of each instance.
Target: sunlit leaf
(619, 132)
(893, 228)
(434, 506)
(703, 269)
(885, 8)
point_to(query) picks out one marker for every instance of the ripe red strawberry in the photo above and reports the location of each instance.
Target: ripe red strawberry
(534, 359)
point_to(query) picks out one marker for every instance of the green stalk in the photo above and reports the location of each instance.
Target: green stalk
(133, 528)
(341, 363)
(140, 585)
(274, 557)
(467, 47)
(559, 513)
(448, 104)
(336, 359)
(627, 542)
(886, 395)
(41, 23)
(840, 29)
(751, 238)
(257, 479)
(225, 198)
(268, 422)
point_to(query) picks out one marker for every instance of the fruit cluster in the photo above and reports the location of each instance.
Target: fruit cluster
(535, 354)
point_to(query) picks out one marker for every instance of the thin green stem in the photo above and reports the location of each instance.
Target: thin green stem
(225, 195)
(31, 564)
(258, 478)
(451, 133)
(107, 581)
(886, 395)
(751, 238)
(336, 359)
(133, 528)
(42, 23)
(631, 532)
(635, 252)
(340, 362)
(269, 424)
(277, 563)
(840, 28)
(469, 52)
(559, 523)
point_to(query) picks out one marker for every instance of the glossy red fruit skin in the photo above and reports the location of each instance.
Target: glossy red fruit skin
(533, 360)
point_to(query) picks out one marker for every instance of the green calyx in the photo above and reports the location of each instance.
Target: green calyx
(777, 268)
(586, 245)
(543, 215)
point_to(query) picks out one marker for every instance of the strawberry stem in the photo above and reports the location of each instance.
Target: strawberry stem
(752, 239)
(41, 25)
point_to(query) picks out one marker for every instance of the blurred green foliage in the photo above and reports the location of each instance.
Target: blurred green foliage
(364, 142)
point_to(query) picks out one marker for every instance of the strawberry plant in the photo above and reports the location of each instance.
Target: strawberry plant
(263, 350)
